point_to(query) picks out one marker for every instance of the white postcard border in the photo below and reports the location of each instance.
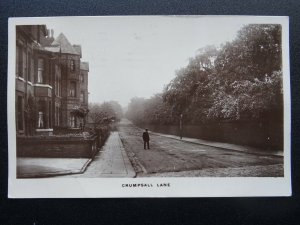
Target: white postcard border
(179, 187)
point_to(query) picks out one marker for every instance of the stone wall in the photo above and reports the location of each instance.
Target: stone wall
(249, 133)
(58, 147)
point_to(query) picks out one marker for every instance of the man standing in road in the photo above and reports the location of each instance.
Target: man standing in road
(146, 139)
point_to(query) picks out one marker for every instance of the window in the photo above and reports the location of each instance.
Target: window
(59, 115)
(40, 71)
(50, 114)
(29, 69)
(72, 65)
(81, 78)
(20, 113)
(57, 112)
(57, 81)
(24, 67)
(82, 97)
(18, 52)
(72, 89)
(21, 62)
(41, 123)
(31, 65)
(72, 121)
(41, 120)
(56, 85)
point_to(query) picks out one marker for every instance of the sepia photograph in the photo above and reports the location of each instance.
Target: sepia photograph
(157, 103)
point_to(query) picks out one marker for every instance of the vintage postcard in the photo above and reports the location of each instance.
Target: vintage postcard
(149, 106)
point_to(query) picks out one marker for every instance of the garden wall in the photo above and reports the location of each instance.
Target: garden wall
(57, 147)
(266, 136)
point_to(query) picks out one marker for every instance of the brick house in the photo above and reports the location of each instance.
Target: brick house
(49, 86)
(84, 94)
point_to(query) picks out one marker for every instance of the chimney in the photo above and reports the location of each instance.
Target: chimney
(52, 33)
(48, 32)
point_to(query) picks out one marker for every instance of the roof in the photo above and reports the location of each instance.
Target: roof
(47, 41)
(64, 44)
(77, 49)
(44, 29)
(52, 48)
(84, 66)
(44, 49)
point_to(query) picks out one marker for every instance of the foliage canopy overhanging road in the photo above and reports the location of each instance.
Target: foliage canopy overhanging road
(241, 80)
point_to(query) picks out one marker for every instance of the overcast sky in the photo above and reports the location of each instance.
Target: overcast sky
(137, 56)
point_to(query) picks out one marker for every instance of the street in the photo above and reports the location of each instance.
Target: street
(123, 155)
(171, 157)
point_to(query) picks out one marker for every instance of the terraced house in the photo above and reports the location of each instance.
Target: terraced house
(51, 82)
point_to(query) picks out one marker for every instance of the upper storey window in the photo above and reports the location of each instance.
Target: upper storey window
(82, 97)
(31, 68)
(41, 72)
(57, 81)
(72, 91)
(18, 60)
(72, 65)
(21, 62)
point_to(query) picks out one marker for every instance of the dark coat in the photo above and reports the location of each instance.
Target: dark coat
(146, 136)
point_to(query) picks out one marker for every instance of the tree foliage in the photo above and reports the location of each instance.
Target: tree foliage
(254, 53)
(241, 80)
(153, 110)
(105, 113)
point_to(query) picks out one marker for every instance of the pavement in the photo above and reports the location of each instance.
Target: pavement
(28, 167)
(246, 171)
(110, 161)
(241, 148)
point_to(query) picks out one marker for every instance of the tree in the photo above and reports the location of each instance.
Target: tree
(249, 99)
(105, 113)
(255, 52)
(240, 80)
(116, 110)
(81, 112)
(249, 74)
(157, 112)
(189, 92)
(149, 111)
(136, 110)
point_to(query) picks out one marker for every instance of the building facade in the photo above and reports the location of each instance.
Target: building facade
(51, 84)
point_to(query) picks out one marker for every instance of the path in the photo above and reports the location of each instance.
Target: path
(32, 167)
(111, 161)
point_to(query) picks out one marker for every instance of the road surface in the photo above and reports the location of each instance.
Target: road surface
(170, 157)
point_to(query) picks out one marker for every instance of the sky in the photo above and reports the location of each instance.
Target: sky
(137, 56)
